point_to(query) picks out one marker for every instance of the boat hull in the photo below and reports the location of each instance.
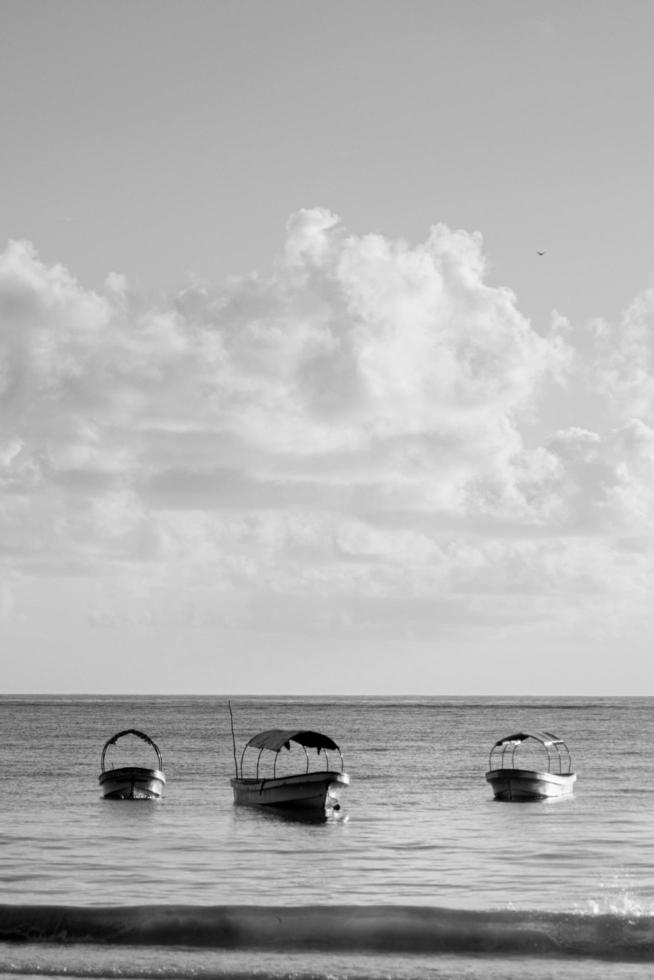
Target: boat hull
(516, 785)
(314, 792)
(132, 783)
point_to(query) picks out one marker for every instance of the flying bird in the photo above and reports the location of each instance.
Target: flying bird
(540, 253)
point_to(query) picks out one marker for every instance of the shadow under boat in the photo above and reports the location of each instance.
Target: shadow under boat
(517, 785)
(131, 782)
(313, 795)
(290, 815)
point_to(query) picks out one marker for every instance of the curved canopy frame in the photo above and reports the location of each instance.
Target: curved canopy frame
(557, 751)
(276, 739)
(141, 735)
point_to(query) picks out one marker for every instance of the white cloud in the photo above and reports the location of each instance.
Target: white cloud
(623, 368)
(344, 444)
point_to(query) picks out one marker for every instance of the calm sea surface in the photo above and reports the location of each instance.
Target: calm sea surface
(420, 826)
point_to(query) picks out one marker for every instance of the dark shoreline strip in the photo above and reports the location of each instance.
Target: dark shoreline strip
(371, 929)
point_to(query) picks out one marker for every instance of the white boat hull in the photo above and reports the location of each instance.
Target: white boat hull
(515, 785)
(132, 783)
(314, 792)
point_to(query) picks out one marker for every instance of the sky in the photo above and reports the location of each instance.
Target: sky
(289, 400)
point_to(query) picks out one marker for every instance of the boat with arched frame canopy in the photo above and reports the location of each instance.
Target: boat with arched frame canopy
(131, 782)
(513, 784)
(313, 790)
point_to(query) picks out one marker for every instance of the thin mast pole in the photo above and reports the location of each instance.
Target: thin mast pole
(231, 721)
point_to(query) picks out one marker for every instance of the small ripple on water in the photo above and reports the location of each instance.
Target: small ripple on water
(418, 823)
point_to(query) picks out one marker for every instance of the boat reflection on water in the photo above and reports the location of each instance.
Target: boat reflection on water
(290, 815)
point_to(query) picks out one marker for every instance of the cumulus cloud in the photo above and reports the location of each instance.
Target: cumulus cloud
(623, 366)
(344, 443)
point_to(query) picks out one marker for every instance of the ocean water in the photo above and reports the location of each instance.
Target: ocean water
(423, 875)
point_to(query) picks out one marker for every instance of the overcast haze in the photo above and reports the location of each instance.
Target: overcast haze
(290, 401)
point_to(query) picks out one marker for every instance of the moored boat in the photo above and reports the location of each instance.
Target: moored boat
(131, 782)
(513, 784)
(311, 792)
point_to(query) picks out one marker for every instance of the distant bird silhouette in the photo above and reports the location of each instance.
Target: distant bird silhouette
(540, 253)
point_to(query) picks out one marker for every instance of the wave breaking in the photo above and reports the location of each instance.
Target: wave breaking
(346, 928)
